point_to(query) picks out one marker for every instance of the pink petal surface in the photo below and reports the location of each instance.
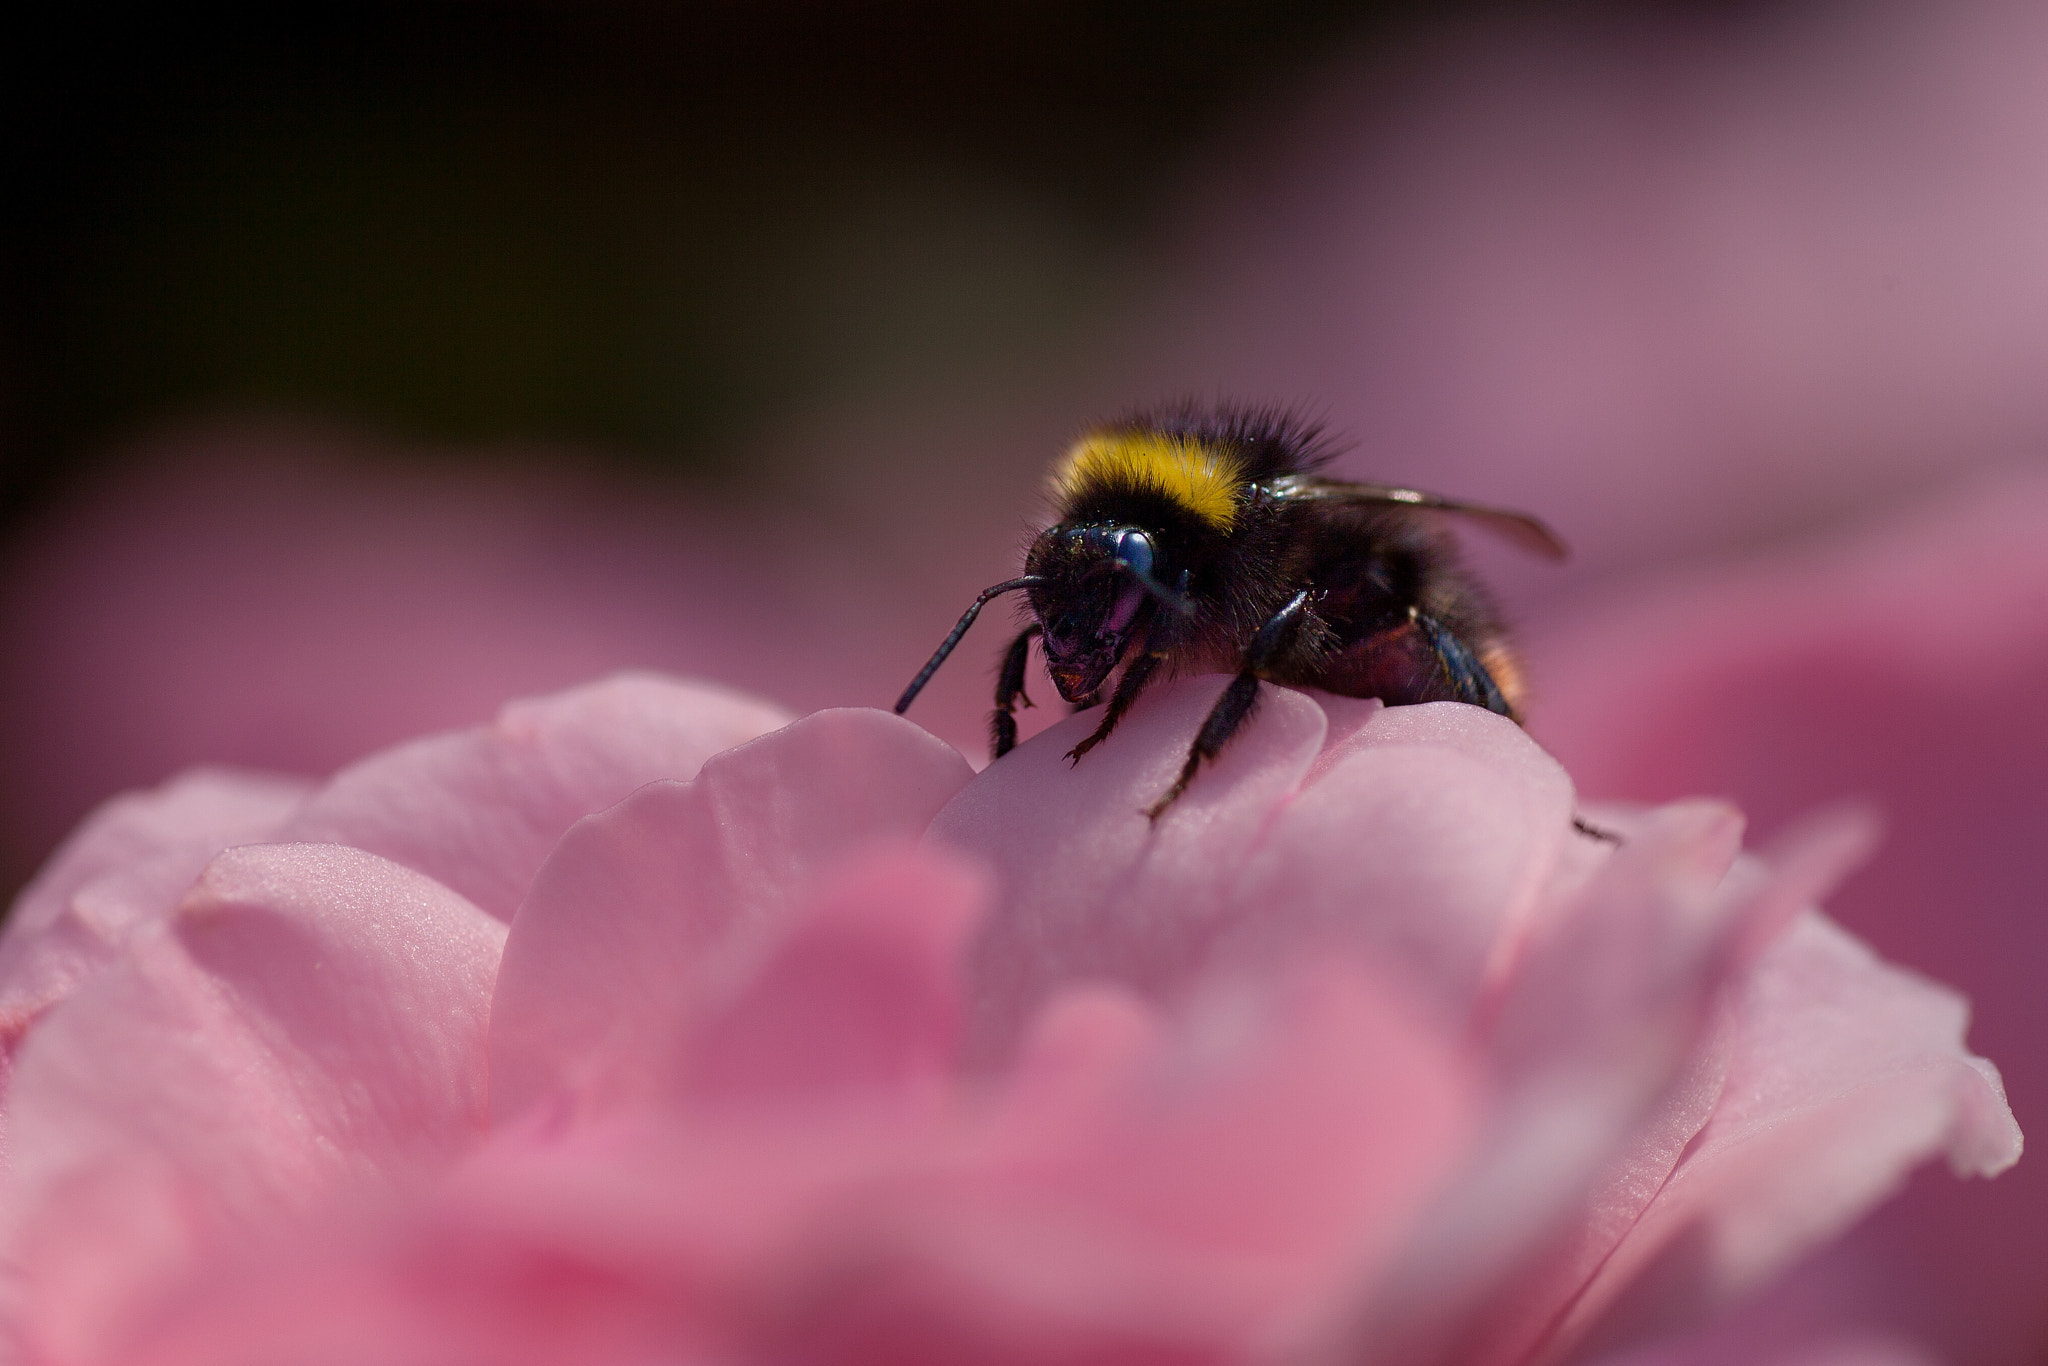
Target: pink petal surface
(207, 809)
(478, 810)
(1817, 1118)
(1061, 1219)
(1337, 860)
(1204, 1205)
(1296, 1138)
(588, 1244)
(1089, 886)
(125, 867)
(1610, 1053)
(1282, 839)
(1360, 1051)
(1815, 1173)
(1605, 1013)
(864, 997)
(625, 911)
(1897, 663)
(310, 1018)
(1599, 1083)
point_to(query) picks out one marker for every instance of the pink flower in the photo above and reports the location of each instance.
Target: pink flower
(825, 1049)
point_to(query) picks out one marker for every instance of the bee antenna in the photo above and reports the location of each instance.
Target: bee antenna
(924, 675)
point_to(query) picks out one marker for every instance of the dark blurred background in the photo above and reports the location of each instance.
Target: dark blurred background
(634, 231)
(636, 227)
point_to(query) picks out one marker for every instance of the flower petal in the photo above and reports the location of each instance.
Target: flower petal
(203, 808)
(309, 1016)
(1790, 678)
(639, 907)
(864, 997)
(1204, 1209)
(1088, 888)
(1845, 1074)
(1343, 861)
(479, 810)
(125, 867)
(1599, 1020)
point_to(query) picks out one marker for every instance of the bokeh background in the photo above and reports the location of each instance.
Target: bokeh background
(414, 353)
(364, 365)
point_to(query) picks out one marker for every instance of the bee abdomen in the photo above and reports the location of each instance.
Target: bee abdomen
(1419, 660)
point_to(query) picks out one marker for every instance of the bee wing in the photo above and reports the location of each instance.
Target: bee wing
(1518, 527)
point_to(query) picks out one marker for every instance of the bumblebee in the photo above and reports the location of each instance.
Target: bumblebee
(1203, 540)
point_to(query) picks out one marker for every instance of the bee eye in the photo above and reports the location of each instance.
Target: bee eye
(1134, 552)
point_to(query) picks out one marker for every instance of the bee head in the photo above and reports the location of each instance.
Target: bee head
(1100, 586)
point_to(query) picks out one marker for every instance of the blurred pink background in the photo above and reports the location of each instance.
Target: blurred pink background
(1751, 304)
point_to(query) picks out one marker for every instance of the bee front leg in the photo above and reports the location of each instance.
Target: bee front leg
(1002, 722)
(1239, 700)
(1136, 675)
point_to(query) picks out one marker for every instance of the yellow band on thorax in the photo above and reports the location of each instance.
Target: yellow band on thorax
(1198, 477)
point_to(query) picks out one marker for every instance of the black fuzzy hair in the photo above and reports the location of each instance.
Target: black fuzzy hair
(1272, 439)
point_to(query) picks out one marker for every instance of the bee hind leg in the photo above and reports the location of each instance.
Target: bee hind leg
(1239, 700)
(1594, 832)
(1468, 678)
(1471, 681)
(1002, 722)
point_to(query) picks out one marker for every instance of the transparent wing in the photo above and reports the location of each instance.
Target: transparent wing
(1517, 527)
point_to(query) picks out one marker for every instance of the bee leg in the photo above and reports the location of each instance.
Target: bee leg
(1239, 700)
(1471, 682)
(1468, 678)
(1002, 722)
(1136, 676)
(1594, 832)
